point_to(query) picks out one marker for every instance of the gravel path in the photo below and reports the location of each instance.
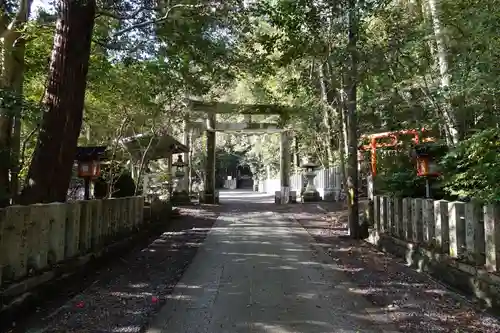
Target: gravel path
(414, 301)
(123, 297)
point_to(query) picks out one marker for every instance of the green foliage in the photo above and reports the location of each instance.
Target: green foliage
(472, 169)
(271, 52)
(401, 183)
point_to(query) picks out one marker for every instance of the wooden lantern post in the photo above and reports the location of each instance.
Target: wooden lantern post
(426, 157)
(89, 165)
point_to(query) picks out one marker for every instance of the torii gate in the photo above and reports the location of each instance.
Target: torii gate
(210, 126)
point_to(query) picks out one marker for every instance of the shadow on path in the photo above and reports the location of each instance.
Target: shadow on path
(258, 272)
(414, 301)
(122, 295)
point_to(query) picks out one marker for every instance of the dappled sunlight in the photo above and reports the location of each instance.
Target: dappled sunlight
(409, 300)
(294, 326)
(120, 294)
(139, 285)
(181, 285)
(134, 328)
(283, 267)
(266, 255)
(239, 242)
(400, 284)
(437, 291)
(123, 297)
(261, 327)
(257, 271)
(365, 291)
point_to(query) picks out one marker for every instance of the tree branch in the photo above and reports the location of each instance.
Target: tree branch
(21, 15)
(25, 143)
(122, 17)
(117, 46)
(154, 21)
(4, 20)
(23, 11)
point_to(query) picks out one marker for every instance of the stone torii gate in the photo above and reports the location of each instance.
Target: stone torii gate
(209, 125)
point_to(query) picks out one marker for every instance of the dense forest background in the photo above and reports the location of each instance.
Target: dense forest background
(90, 72)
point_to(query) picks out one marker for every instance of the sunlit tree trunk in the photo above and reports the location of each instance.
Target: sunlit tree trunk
(12, 46)
(19, 52)
(351, 120)
(445, 78)
(51, 167)
(327, 115)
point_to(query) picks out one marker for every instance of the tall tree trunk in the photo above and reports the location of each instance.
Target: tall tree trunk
(51, 167)
(336, 94)
(19, 53)
(351, 121)
(342, 141)
(449, 116)
(11, 82)
(327, 115)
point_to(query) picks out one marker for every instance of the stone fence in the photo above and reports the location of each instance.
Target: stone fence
(327, 182)
(464, 237)
(37, 237)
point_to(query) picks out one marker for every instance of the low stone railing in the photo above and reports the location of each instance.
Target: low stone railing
(36, 237)
(465, 237)
(327, 183)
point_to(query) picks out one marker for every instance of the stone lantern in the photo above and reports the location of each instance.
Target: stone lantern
(180, 194)
(310, 193)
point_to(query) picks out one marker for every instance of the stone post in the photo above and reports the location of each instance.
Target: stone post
(96, 220)
(390, 216)
(57, 234)
(398, 216)
(38, 237)
(209, 196)
(285, 167)
(406, 225)
(16, 225)
(492, 237)
(474, 233)
(85, 226)
(416, 220)
(457, 228)
(383, 214)
(376, 213)
(370, 189)
(442, 226)
(72, 242)
(429, 223)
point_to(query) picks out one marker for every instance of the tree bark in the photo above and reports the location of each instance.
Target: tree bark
(327, 115)
(449, 116)
(342, 137)
(51, 167)
(11, 82)
(351, 121)
(15, 146)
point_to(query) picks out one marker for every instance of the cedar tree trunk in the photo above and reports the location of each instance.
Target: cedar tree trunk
(51, 167)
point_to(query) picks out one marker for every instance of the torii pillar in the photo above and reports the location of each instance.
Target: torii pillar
(210, 195)
(285, 167)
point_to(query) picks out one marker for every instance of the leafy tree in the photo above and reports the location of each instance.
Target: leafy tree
(116, 21)
(472, 169)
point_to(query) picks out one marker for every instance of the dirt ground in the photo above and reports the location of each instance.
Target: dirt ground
(414, 301)
(124, 295)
